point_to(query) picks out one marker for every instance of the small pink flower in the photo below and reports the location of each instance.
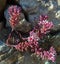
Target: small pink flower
(43, 17)
(34, 35)
(51, 57)
(30, 39)
(52, 50)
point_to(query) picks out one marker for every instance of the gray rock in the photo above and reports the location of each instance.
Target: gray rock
(48, 62)
(23, 25)
(58, 1)
(55, 28)
(32, 59)
(9, 58)
(57, 15)
(5, 51)
(4, 34)
(28, 4)
(6, 14)
(32, 9)
(38, 7)
(33, 18)
(55, 40)
(3, 47)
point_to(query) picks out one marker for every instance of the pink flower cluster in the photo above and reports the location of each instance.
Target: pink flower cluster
(45, 24)
(42, 28)
(34, 36)
(31, 45)
(14, 12)
(22, 46)
(47, 55)
(32, 42)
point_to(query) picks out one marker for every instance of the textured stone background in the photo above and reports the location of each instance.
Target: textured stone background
(33, 8)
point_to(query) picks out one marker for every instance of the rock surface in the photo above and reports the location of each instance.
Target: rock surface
(4, 34)
(56, 42)
(3, 47)
(6, 14)
(33, 8)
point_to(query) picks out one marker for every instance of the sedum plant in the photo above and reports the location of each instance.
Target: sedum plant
(31, 43)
